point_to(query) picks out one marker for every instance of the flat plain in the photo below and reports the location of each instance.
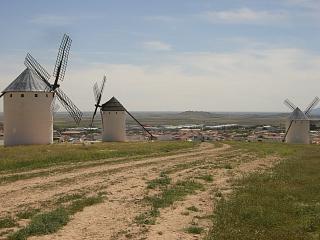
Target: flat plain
(160, 190)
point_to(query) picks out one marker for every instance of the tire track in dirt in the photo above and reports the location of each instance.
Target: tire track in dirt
(114, 218)
(173, 221)
(45, 188)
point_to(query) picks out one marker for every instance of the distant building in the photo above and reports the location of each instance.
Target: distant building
(113, 121)
(298, 127)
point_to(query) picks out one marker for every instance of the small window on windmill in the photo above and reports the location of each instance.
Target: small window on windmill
(116, 112)
(22, 95)
(35, 95)
(109, 112)
(11, 95)
(47, 95)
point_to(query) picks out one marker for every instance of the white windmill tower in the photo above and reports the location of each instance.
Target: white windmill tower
(298, 123)
(113, 116)
(29, 100)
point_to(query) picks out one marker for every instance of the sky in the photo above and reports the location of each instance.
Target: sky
(171, 55)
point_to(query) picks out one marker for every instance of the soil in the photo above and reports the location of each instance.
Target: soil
(125, 187)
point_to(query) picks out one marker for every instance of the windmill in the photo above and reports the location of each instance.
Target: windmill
(29, 101)
(298, 123)
(113, 115)
(58, 74)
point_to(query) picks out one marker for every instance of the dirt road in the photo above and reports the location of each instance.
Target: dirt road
(124, 184)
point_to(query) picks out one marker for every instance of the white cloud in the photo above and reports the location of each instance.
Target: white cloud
(248, 80)
(245, 80)
(243, 15)
(157, 46)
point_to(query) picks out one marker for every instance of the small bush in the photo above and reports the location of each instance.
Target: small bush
(43, 223)
(194, 230)
(7, 222)
(28, 213)
(227, 166)
(207, 178)
(193, 209)
(164, 180)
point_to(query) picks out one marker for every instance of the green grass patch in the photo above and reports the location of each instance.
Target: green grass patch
(69, 197)
(227, 166)
(40, 156)
(80, 204)
(162, 181)
(282, 204)
(148, 218)
(166, 198)
(194, 230)
(50, 222)
(217, 144)
(7, 222)
(28, 213)
(182, 166)
(174, 193)
(193, 209)
(206, 177)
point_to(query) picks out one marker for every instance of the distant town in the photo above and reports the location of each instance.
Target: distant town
(238, 131)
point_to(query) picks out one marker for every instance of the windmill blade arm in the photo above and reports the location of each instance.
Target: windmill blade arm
(102, 85)
(32, 64)
(62, 59)
(71, 108)
(94, 114)
(312, 105)
(152, 137)
(285, 135)
(289, 104)
(96, 92)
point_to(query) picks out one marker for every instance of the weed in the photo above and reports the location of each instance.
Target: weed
(218, 194)
(166, 198)
(7, 222)
(80, 204)
(193, 209)
(148, 218)
(194, 230)
(68, 198)
(227, 166)
(52, 221)
(163, 181)
(207, 178)
(28, 213)
(43, 223)
(175, 193)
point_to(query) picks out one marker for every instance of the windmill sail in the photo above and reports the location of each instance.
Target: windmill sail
(32, 64)
(97, 94)
(71, 108)
(151, 136)
(289, 104)
(54, 107)
(311, 106)
(62, 60)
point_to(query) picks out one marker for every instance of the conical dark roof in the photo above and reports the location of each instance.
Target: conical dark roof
(112, 105)
(297, 114)
(27, 81)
